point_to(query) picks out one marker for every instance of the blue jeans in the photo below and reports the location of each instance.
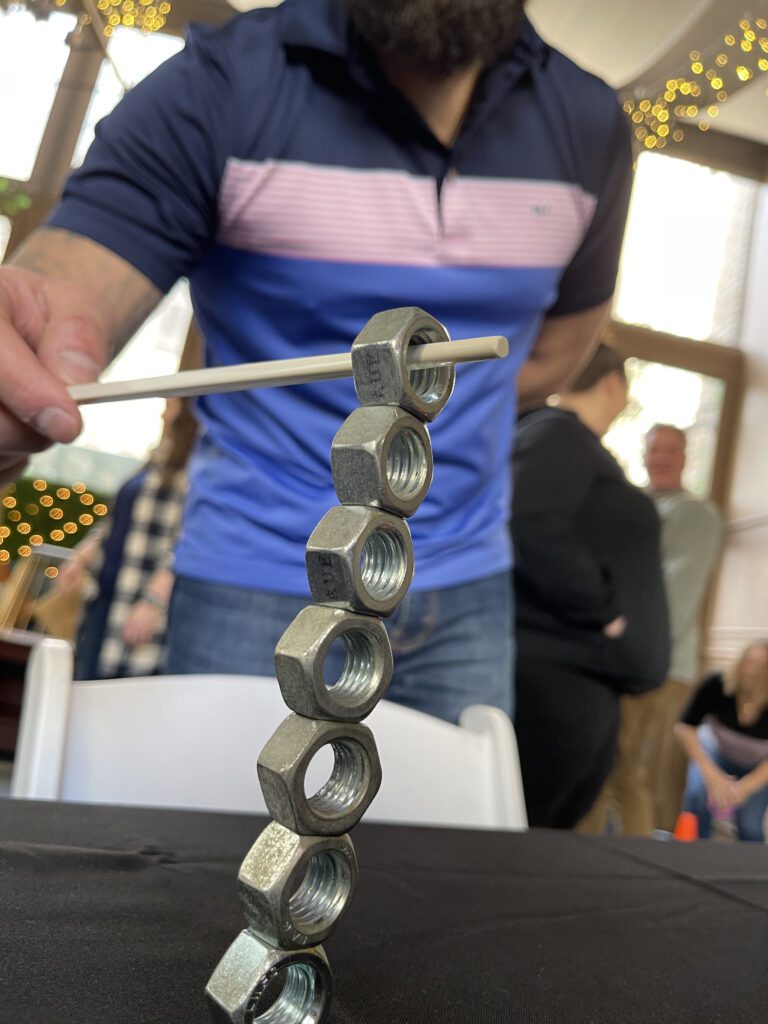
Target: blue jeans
(452, 647)
(749, 817)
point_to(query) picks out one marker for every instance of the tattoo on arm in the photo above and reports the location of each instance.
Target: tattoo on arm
(125, 295)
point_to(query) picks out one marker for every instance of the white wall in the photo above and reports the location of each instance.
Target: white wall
(741, 604)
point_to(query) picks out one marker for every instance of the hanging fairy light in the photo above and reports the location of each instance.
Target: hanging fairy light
(699, 93)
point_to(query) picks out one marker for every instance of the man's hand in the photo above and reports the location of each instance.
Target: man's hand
(52, 333)
(64, 302)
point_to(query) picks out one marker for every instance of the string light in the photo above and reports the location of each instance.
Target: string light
(654, 118)
(28, 522)
(144, 15)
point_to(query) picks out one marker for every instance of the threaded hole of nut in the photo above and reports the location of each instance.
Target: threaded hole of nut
(348, 782)
(429, 382)
(359, 676)
(323, 893)
(293, 995)
(407, 465)
(383, 563)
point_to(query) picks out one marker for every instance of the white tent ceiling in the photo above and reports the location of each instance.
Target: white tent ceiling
(635, 44)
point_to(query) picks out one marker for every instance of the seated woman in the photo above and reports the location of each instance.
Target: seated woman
(728, 770)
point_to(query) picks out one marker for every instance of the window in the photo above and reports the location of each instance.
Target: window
(32, 58)
(136, 55)
(686, 251)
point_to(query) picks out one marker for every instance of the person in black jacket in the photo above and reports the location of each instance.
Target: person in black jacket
(591, 608)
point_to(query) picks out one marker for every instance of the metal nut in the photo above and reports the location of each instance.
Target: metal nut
(341, 802)
(300, 658)
(293, 888)
(238, 987)
(382, 456)
(379, 354)
(360, 558)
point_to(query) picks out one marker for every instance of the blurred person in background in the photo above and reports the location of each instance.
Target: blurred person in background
(728, 769)
(591, 612)
(691, 537)
(124, 624)
(645, 788)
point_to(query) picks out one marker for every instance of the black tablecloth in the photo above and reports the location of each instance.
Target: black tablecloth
(120, 915)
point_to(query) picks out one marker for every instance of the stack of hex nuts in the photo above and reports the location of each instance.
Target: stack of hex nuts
(299, 876)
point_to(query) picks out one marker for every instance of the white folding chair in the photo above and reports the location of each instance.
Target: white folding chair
(193, 741)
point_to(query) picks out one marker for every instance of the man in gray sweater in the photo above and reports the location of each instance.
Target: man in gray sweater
(691, 537)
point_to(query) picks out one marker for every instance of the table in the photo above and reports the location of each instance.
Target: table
(120, 914)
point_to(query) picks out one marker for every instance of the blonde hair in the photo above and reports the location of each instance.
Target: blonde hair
(731, 674)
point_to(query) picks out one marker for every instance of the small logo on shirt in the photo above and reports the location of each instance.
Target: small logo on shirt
(541, 210)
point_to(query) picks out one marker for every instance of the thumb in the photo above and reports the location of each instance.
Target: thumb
(51, 334)
(74, 341)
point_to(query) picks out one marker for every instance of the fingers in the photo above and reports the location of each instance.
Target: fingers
(51, 335)
(32, 395)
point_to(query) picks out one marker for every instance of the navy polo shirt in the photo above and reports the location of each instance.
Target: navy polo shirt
(272, 164)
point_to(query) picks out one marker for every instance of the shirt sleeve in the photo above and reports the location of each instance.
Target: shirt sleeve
(552, 477)
(590, 277)
(704, 701)
(148, 188)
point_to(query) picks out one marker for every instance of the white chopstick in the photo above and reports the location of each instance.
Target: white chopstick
(279, 372)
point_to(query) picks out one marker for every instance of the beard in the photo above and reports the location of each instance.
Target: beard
(438, 37)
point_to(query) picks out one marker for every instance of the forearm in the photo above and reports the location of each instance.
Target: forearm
(115, 296)
(563, 346)
(686, 735)
(756, 780)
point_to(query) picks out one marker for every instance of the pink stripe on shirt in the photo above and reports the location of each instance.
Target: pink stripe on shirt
(337, 214)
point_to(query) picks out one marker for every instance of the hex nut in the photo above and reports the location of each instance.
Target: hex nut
(341, 802)
(300, 658)
(360, 558)
(379, 367)
(382, 456)
(293, 889)
(249, 967)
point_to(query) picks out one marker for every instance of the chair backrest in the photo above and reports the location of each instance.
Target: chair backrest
(193, 741)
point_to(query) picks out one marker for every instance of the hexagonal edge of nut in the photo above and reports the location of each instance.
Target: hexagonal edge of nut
(360, 458)
(379, 361)
(333, 558)
(300, 654)
(247, 968)
(282, 767)
(274, 869)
